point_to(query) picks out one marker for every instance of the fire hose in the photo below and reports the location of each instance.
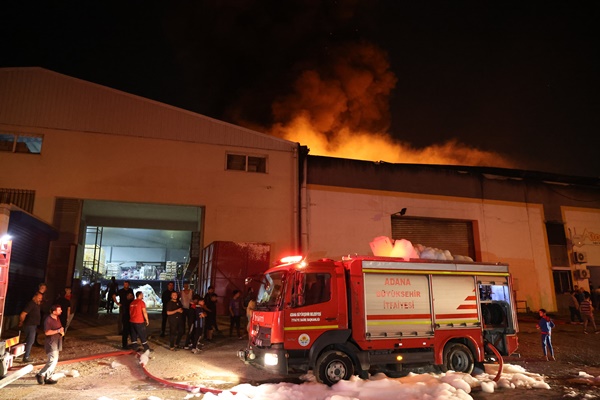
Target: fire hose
(500, 361)
(182, 386)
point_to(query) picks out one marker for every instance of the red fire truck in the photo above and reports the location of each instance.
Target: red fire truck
(343, 318)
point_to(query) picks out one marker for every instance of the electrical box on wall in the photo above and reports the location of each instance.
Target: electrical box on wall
(582, 274)
(579, 257)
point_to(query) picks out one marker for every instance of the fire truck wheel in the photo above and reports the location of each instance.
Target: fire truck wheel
(334, 366)
(458, 357)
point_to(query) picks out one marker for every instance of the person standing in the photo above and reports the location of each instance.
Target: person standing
(113, 288)
(44, 309)
(166, 298)
(125, 295)
(249, 310)
(65, 304)
(574, 308)
(29, 319)
(545, 326)
(138, 316)
(174, 313)
(587, 312)
(210, 308)
(235, 313)
(53, 345)
(212, 294)
(186, 299)
(193, 335)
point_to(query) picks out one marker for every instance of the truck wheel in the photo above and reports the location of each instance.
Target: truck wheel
(333, 366)
(458, 357)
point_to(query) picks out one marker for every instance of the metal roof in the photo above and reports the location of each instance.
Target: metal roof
(38, 97)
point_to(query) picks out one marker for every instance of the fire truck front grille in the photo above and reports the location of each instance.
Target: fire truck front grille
(263, 336)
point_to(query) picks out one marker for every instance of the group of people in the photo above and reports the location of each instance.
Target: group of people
(191, 318)
(194, 316)
(52, 317)
(581, 308)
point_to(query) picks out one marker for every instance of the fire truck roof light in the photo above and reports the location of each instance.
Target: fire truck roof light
(5, 238)
(290, 260)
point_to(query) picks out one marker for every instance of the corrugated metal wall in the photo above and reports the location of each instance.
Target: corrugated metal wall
(31, 240)
(455, 236)
(42, 98)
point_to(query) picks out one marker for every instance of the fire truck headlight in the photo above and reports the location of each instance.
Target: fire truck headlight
(271, 359)
(399, 358)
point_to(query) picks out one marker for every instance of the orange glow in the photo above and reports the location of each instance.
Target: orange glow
(342, 110)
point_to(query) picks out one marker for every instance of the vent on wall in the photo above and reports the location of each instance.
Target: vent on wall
(582, 274)
(579, 257)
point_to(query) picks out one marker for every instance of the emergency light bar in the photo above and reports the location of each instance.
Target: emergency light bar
(290, 260)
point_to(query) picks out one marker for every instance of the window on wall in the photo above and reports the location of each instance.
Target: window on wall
(557, 243)
(21, 143)
(562, 281)
(21, 198)
(247, 163)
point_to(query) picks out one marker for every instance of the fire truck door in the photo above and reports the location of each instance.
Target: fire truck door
(314, 311)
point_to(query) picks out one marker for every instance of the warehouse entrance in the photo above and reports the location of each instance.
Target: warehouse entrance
(147, 245)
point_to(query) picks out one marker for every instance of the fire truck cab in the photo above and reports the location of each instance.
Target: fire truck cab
(342, 318)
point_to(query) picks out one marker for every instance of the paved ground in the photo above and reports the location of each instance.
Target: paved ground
(121, 377)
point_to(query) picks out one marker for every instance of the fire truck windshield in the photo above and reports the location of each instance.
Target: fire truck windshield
(271, 291)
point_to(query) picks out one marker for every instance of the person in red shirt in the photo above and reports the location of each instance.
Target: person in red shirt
(138, 317)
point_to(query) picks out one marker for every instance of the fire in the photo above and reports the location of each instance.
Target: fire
(342, 110)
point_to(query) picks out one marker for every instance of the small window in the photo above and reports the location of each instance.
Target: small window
(7, 142)
(316, 288)
(240, 162)
(21, 143)
(257, 164)
(236, 162)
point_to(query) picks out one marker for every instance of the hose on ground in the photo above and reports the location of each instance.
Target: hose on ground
(182, 386)
(500, 360)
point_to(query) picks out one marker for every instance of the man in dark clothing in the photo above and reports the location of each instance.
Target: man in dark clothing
(166, 298)
(113, 288)
(54, 332)
(210, 307)
(65, 304)
(175, 315)
(44, 309)
(29, 321)
(123, 303)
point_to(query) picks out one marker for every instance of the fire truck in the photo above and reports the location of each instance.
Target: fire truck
(343, 318)
(9, 348)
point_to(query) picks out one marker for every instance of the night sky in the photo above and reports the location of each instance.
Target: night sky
(515, 79)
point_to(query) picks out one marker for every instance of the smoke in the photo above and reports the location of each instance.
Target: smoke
(342, 110)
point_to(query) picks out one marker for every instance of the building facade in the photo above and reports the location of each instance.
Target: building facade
(88, 159)
(537, 223)
(136, 188)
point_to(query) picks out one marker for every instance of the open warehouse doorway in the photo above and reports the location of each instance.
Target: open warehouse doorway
(147, 245)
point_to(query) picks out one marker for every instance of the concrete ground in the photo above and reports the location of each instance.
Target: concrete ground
(117, 376)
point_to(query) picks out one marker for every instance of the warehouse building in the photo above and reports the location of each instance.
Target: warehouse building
(128, 187)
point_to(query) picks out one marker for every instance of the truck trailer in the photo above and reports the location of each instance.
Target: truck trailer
(343, 318)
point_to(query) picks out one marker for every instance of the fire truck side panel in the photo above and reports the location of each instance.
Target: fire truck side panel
(397, 305)
(455, 301)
